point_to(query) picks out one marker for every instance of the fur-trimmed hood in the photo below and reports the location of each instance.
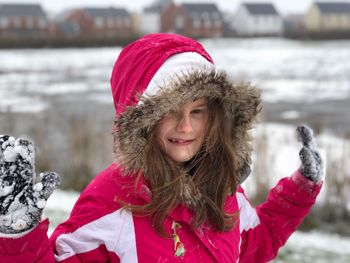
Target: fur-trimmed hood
(141, 99)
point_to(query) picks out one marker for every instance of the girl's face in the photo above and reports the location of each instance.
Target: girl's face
(181, 133)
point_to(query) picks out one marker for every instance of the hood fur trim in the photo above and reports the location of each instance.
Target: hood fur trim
(241, 101)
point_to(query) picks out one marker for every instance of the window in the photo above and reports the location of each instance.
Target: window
(215, 16)
(110, 22)
(29, 22)
(206, 19)
(127, 21)
(42, 23)
(16, 21)
(196, 23)
(268, 20)
(205, 16)
(207, 23)
(98, 22)
(260, 20)
(180, 22)
(75, 27)
(4, 22)
(217, 23)
(118, 21)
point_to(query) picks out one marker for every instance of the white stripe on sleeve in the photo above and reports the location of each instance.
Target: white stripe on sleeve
(115, 231)
(248, 217)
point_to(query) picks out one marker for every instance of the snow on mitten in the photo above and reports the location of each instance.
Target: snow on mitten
(311, 161)
(23, 194)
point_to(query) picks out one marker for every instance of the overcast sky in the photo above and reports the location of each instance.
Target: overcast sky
(55, 6)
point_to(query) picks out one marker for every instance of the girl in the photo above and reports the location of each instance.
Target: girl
(173, 194)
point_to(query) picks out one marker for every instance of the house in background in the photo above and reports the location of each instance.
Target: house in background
(97, 22)
(150, 19)
(193, 19)
(23, 20)
(323, 17)
(257, 19)
(63, 27)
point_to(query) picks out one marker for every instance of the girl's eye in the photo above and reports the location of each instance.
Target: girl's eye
(197, 111)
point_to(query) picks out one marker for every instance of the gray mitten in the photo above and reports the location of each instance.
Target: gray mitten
(23, 194)
(311, 161)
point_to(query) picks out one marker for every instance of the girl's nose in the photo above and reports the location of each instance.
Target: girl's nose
(184, 124)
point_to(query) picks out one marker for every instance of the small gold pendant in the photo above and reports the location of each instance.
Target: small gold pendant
(179, 248)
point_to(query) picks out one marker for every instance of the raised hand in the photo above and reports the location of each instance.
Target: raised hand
(23, 194)
(311, 161)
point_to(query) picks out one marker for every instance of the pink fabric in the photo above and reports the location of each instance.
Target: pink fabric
(99, 254)
(286, 206)
(33, 247)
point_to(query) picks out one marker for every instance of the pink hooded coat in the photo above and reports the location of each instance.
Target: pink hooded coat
(100, 230)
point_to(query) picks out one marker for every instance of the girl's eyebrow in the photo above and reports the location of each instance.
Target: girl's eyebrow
(204, 104)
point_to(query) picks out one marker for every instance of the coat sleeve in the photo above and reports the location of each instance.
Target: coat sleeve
(98, 228)
(34, 246)
(87, 236)
(73, 241)
(265, 229)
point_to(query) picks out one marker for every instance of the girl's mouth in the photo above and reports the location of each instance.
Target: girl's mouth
(180, 142)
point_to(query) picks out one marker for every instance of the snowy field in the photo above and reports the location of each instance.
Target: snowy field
(285, 70)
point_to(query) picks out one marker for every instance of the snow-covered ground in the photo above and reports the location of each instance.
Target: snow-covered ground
(315, 247)
(287, 69)
(284, 69)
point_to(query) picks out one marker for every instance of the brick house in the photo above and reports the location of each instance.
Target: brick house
(23, 20)
(96, 22)
(192, 19)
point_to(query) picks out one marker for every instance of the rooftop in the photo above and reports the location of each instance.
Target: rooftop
(32, 10)
(261, 8)
(334, 7)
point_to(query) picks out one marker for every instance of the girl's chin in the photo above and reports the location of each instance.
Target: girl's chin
(179, 159)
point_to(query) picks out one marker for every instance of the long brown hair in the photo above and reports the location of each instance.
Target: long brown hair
(202, 183)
